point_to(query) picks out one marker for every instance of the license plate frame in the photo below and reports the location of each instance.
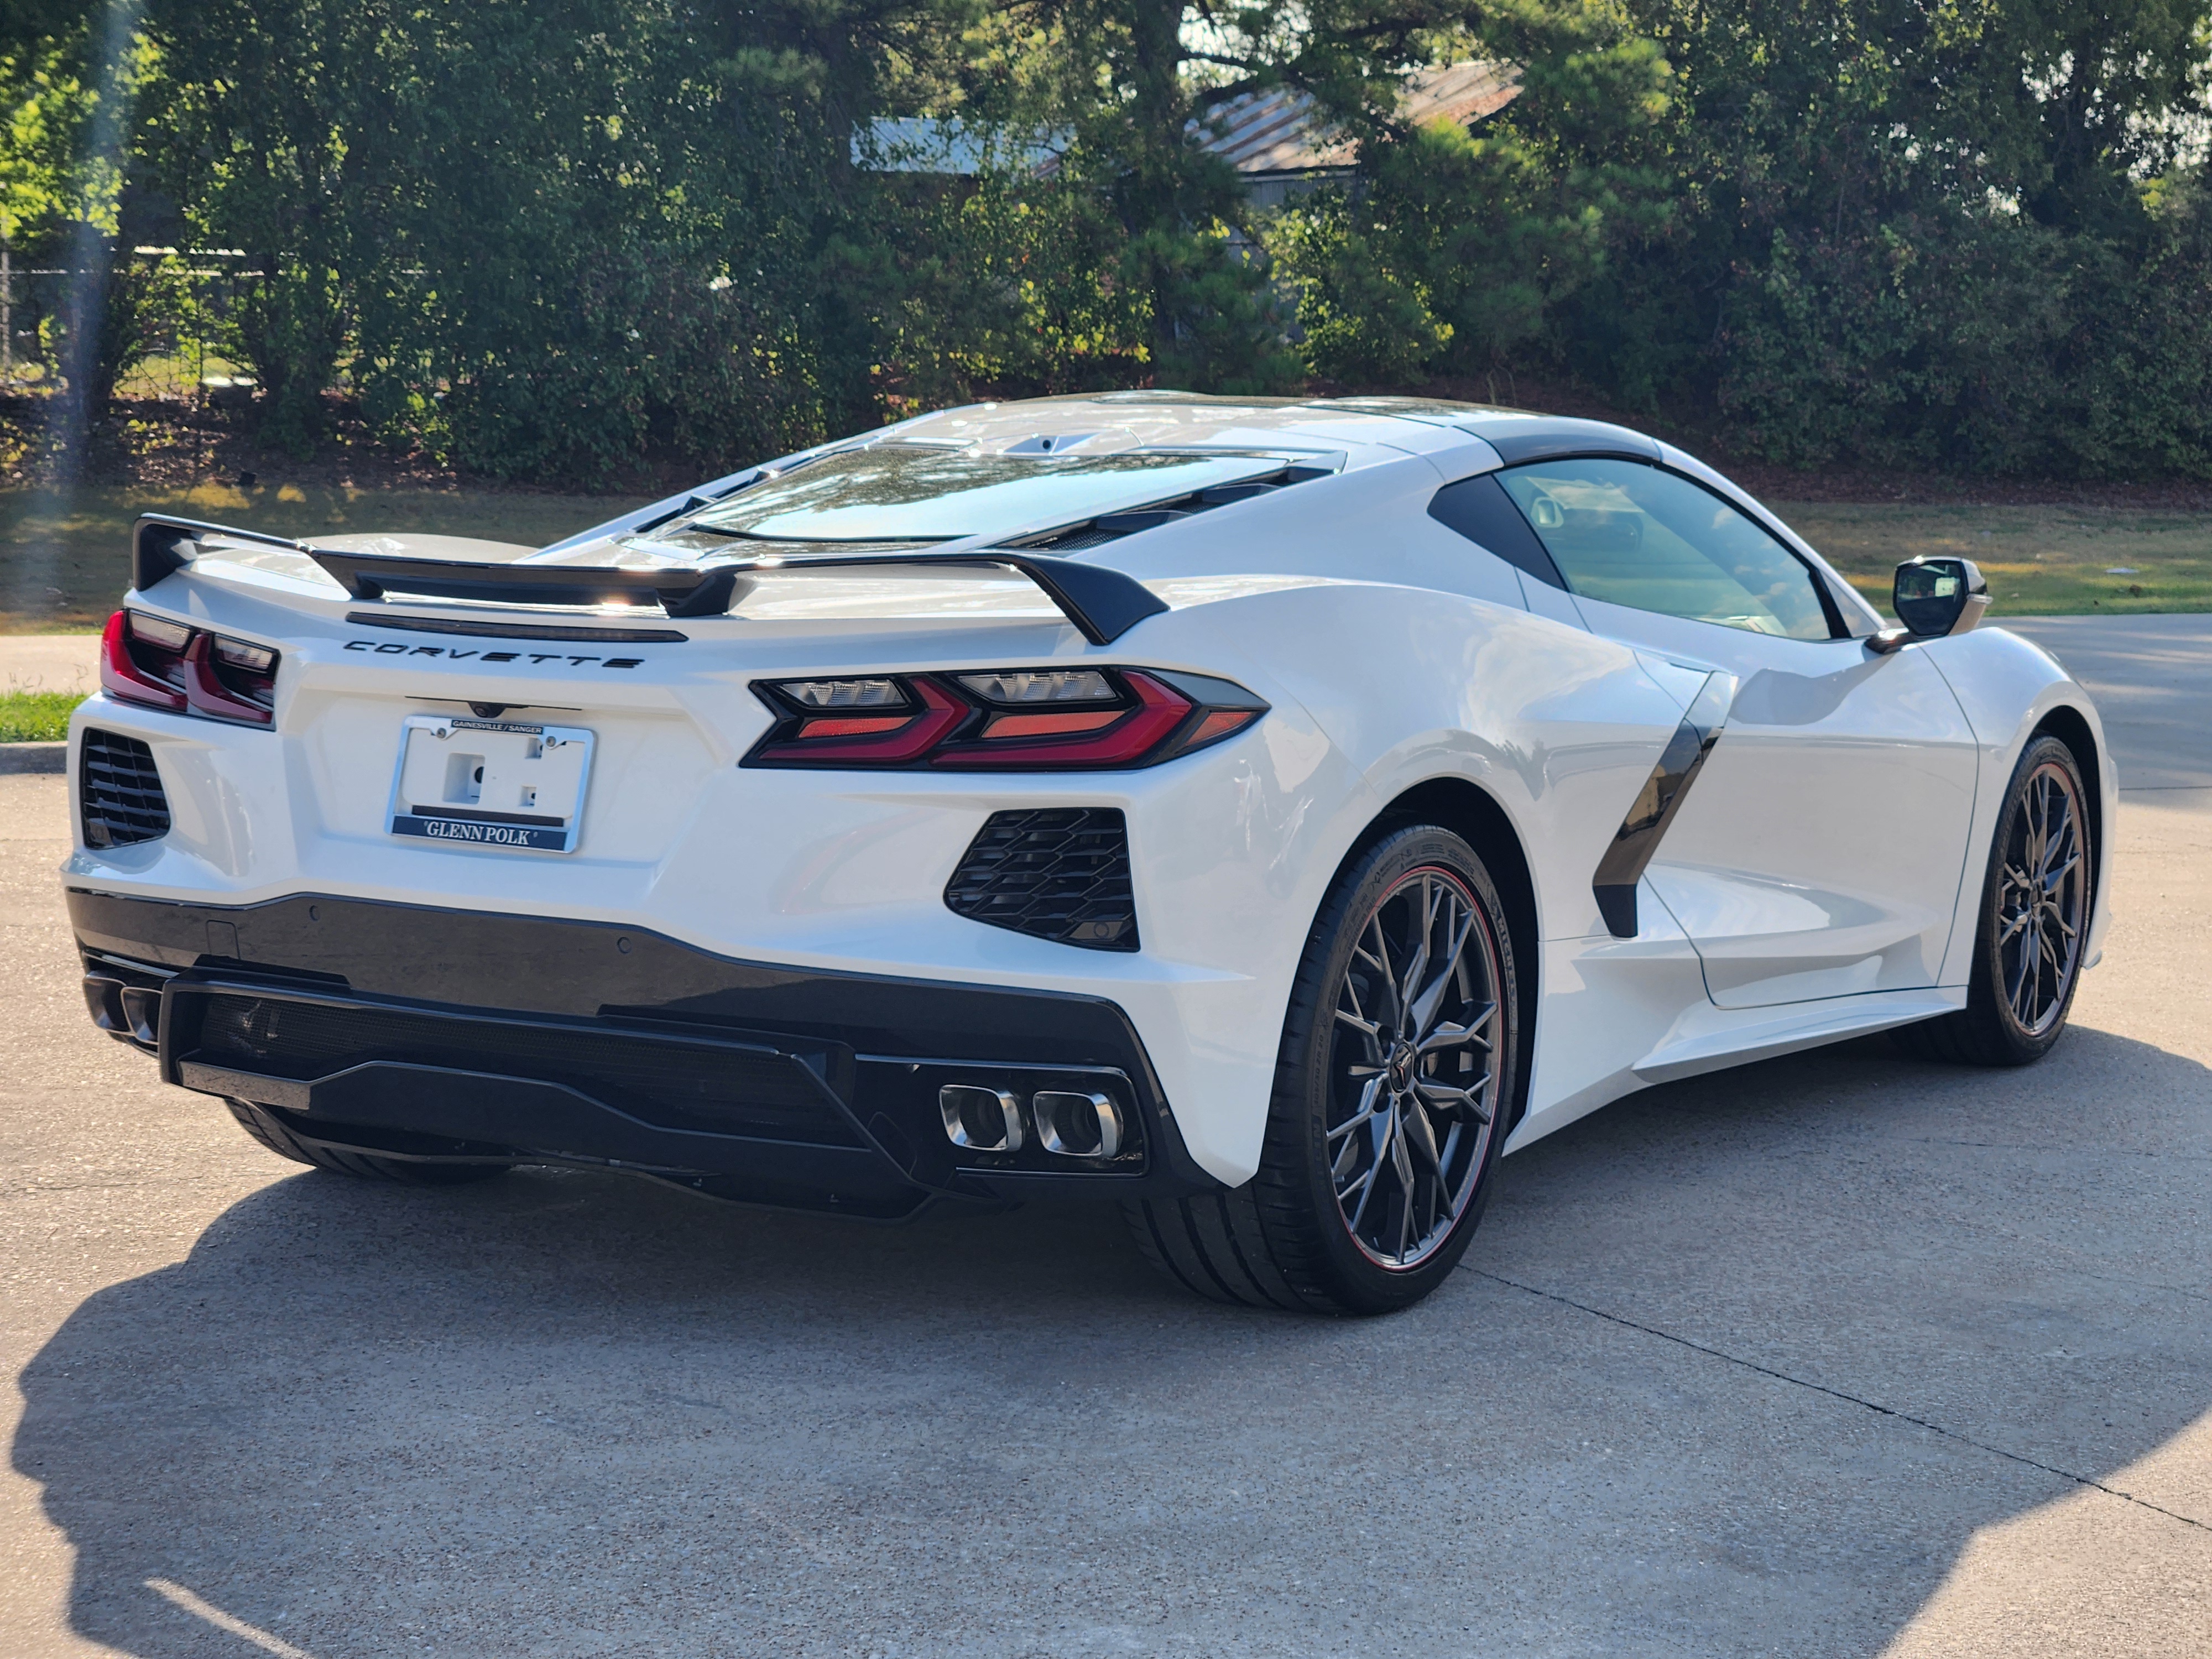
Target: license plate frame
(529, 810)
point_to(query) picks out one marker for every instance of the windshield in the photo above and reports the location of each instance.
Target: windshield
(908, 493)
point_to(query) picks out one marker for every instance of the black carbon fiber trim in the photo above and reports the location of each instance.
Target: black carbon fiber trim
(712, 1084)
(499, 629)
(559, 1040)
(1656, 803)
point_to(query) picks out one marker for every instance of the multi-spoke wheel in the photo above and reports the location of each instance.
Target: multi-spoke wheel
(1398, 1064)
(2033, 925)
(2042, 883)
(1413, 1067)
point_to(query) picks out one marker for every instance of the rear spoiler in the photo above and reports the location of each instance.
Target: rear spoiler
(1102, 604)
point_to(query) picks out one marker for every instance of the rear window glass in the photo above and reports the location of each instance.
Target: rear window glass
(908, 493)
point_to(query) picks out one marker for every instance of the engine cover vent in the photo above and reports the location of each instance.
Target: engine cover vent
(1061, 873)
(119, 791)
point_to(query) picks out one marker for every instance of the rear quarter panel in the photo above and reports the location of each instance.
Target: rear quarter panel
(1378, 688)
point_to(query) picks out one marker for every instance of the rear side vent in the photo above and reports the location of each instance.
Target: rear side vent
(119, 791)
(1060, 874)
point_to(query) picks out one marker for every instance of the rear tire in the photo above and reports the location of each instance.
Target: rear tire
(1391, 1084)
(268, 1129)
(2038, 894)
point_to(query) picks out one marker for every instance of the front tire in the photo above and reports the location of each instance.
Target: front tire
(2033, 926)
(1399, 1055)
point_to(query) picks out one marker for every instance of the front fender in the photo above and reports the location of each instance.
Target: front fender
(2008, 687)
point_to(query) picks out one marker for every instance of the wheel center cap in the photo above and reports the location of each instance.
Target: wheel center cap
(1401, 1068)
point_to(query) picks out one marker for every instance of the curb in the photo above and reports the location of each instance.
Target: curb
(33, 757)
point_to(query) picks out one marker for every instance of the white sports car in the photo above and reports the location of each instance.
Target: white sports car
(1265, 813)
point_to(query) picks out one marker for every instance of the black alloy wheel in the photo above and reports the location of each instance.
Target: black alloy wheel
(2041, 911)
(1413, 1067)
(2033, 926)
(1399, 1062)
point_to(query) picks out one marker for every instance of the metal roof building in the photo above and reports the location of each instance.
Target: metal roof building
(1281, 145)
(1278, 142)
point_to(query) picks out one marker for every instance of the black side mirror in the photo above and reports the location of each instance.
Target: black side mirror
(1933, 598)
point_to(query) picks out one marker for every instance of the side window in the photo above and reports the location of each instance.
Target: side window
(1633, 535)
(1481, 511)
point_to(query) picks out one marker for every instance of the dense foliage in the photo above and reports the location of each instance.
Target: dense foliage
(549, 237)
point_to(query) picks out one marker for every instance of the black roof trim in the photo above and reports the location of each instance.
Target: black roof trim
(1518, 448)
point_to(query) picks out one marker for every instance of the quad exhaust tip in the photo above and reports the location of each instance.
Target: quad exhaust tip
(1077, 1125)
(982, 1119)
(1070, 1123)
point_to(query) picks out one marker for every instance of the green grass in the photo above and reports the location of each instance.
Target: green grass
(65, 560)
(2040, 561)
(36, 716)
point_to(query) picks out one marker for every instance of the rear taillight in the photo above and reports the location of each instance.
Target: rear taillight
(160, 664)
(142, 660)
(1040, 720)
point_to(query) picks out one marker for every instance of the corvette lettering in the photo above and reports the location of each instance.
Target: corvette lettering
(394, 648)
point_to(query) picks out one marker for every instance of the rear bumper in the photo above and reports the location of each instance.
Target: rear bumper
(423, 1032)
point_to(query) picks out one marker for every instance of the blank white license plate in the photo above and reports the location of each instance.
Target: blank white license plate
(490, 783)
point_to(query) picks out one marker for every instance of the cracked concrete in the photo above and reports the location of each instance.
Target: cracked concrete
(1840, 1354)
(1879, 1410)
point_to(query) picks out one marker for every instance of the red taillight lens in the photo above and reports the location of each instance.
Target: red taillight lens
(142, 660)
(861, 728)
(228, 680)
(1049, 726)
(1160, 710)
(164, 665)
(1218, 723)
(904, 723)
(1002, 719)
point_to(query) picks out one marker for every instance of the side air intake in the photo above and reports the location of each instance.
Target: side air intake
(1061, 873)
(119, 791)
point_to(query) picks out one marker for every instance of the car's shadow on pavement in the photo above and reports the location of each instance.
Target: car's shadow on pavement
(1739, 1365)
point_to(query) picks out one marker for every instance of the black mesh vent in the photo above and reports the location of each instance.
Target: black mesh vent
(120, 791)
(675, 1084)
(1072, 541)
(1061, 874)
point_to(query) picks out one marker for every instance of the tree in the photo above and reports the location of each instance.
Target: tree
(70, 188)
(1461, 249)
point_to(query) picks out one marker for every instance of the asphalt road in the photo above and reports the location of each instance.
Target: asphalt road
(1835, 1355)
(2153, 679)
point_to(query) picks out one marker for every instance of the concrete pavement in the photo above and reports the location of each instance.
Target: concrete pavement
(1840, 1354)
